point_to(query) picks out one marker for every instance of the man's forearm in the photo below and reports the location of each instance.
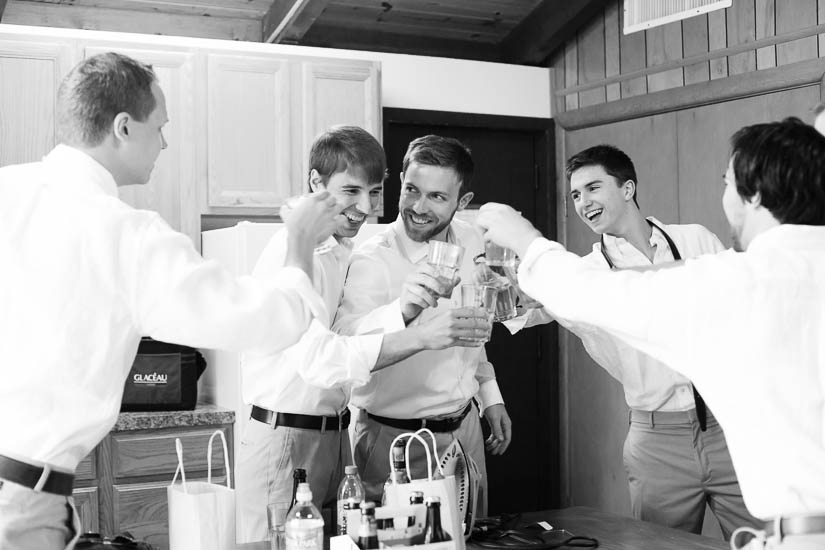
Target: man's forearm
(300, 248)
(397, 346)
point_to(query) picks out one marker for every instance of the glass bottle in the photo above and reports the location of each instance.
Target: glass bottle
(432, 528)
(304, 523)
(299, 475)
(350, 497)
(399, 468)
(368, 530)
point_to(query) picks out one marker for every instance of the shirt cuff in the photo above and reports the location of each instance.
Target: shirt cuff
(539, 246)
(489, 394)
(393, 319)
(371, 346)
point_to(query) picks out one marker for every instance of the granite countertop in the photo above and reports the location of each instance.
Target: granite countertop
(203, 415)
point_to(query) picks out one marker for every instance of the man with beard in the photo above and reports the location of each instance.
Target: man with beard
(388, 285)
(299, 396)
(747, 328)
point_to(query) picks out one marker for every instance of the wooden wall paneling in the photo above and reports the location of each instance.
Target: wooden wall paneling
(718, 40)
(820, 18)
(571, 73)
(612, 60)
(591, 60)
(765, 13)
(704, 145)
(664, 44)
(741, 29)
(68, 16)
(633, 56)
(557, 74)
(695, 41)
(792, 15)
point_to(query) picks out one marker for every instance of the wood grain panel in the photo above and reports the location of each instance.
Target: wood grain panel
(633, 56)
(718, 40)
(248, 9)
(612, 60)
(148, 453)
(792, 15)
(85, 501)
(694, 42)
(765, 13)
(557, 82)
(591, 60)
(741, 21)
(703, 137)
(87, 468)
(571, 74)
(664, 44)
(820, 18)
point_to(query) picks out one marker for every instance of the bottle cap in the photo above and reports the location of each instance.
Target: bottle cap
(416, 497)
(304, 493)
(432, 500)
(351, 470)
(368, 508)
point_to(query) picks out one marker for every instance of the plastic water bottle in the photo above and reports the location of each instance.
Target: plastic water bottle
(304, 524)
(350, 497)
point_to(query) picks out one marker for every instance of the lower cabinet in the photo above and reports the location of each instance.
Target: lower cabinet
(121, 486)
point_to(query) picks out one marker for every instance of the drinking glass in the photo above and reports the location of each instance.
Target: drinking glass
(445, 258)
(498, 255)
(276, 520)
(503, 261)
(483, 296)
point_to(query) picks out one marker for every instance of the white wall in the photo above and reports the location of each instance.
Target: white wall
(407, 81)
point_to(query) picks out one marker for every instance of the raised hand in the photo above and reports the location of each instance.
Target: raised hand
(506, 227)
(314, 216)
(421, 290)
(464, 326)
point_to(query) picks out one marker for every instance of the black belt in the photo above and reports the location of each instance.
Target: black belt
(36, 477)
(443, 425)
(800, 525)
(301, 421)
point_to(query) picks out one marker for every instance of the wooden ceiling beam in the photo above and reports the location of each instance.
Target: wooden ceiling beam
(547, 27)
(287, 21)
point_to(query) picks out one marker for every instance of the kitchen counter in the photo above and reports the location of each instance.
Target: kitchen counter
(203, 415)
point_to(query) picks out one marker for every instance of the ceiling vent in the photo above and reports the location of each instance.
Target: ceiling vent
(644, 14)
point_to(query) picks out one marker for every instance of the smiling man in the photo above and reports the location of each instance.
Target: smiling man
(299, 396)
(388, 284)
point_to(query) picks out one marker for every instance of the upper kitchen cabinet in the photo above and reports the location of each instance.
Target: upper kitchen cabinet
(30, 75)
(172, 188)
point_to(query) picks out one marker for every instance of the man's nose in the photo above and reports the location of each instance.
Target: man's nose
(364, 203)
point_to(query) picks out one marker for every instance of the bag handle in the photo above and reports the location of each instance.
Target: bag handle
(225, 459)
(179, 452)
(407, 455)
(435, 452)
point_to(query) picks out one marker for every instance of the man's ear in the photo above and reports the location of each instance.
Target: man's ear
(120, 127)
(464, 201)
(315, 181)
(629, 190)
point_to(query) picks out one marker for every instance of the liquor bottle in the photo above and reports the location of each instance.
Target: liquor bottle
(299, 475)
(399, 468)
(304, 524)
(368, 531)
(350, 497)
(432, 528)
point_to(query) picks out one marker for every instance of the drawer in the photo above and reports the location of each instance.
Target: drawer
(87, 468)
(153, 453)
(142, 509)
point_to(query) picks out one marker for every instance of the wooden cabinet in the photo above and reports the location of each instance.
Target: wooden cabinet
(121, 485)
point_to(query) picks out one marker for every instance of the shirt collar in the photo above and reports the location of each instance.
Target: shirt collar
(331, 244)
(80, 170)
(615, 244)
(414, 250)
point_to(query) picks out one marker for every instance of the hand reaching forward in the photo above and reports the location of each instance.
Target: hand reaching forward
(464, 326)
(505, 227)
(314, 216)
(421, 290)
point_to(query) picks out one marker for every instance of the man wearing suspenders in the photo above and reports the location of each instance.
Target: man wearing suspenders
(675, 454)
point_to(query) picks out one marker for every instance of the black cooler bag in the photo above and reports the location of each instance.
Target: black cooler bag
(164, 377)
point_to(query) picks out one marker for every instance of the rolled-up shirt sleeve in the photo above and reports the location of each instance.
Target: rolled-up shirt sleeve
(488, 390)
(366, 306)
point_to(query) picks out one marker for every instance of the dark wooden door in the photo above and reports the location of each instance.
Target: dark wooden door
(513, 164)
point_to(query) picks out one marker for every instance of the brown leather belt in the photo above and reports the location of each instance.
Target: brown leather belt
(443, 425)
(301, 421)
(36, 477)
(799, 525)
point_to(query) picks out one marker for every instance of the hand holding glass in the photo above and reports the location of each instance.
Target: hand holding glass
(483, 296)
(445, 258)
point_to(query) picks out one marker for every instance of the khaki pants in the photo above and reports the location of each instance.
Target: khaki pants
(372, 447)
(674, 470)
(32, 520)
(266, 461)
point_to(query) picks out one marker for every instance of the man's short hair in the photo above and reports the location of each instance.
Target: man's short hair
(96, 91)
(341, 148)
(613, 160)
(785, 163)
(445, 152)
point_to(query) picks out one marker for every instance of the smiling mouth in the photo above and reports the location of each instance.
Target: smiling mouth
(593, 214)
(418, 220)
(354, 218)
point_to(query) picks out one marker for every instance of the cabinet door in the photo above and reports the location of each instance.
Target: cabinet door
(171, 191)
(338, 92)
(85, 501)
(30, 75)
(248, 136)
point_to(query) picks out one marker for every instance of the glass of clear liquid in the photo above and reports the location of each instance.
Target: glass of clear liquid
(483, 296)
(276, 520)
(445, 258)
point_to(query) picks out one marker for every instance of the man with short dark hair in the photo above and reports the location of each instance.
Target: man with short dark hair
(84, 276)
(388, 284)
(747, 328)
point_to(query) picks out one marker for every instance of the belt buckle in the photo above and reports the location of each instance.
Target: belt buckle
(44, 477)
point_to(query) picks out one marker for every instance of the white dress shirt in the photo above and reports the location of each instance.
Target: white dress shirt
(82, 277)
(429, 383)
(649, 385)
(314, 375)
(747, 328)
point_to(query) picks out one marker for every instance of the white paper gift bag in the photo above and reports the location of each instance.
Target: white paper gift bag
(435, 484)
(201, 513)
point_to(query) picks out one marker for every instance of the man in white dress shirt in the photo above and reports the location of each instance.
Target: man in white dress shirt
(747, 328)
(84, 276)
(300, 395)
(384, 289)
(675, 454)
